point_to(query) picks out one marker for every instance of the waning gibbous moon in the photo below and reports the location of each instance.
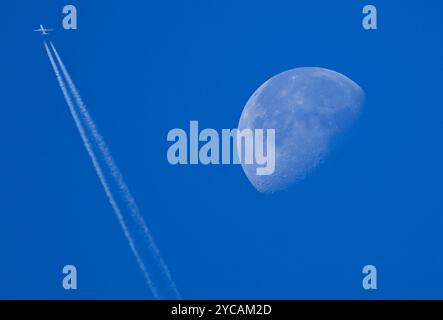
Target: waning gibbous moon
(308, 108)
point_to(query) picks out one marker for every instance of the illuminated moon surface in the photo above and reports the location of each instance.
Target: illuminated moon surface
(308, 108)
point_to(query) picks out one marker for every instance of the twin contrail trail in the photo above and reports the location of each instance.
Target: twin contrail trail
(140, 240)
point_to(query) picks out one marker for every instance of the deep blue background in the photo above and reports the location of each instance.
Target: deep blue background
(144, 68)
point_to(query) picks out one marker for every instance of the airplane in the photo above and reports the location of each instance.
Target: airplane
(43, 30)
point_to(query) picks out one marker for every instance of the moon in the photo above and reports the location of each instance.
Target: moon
(308, 108)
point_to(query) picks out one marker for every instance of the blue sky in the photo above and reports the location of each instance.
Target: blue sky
(145, 68)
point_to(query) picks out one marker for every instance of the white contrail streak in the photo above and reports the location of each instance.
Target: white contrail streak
(108, 158)
(147, 254)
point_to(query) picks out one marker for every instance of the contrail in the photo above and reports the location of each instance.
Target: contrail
(140, 240)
